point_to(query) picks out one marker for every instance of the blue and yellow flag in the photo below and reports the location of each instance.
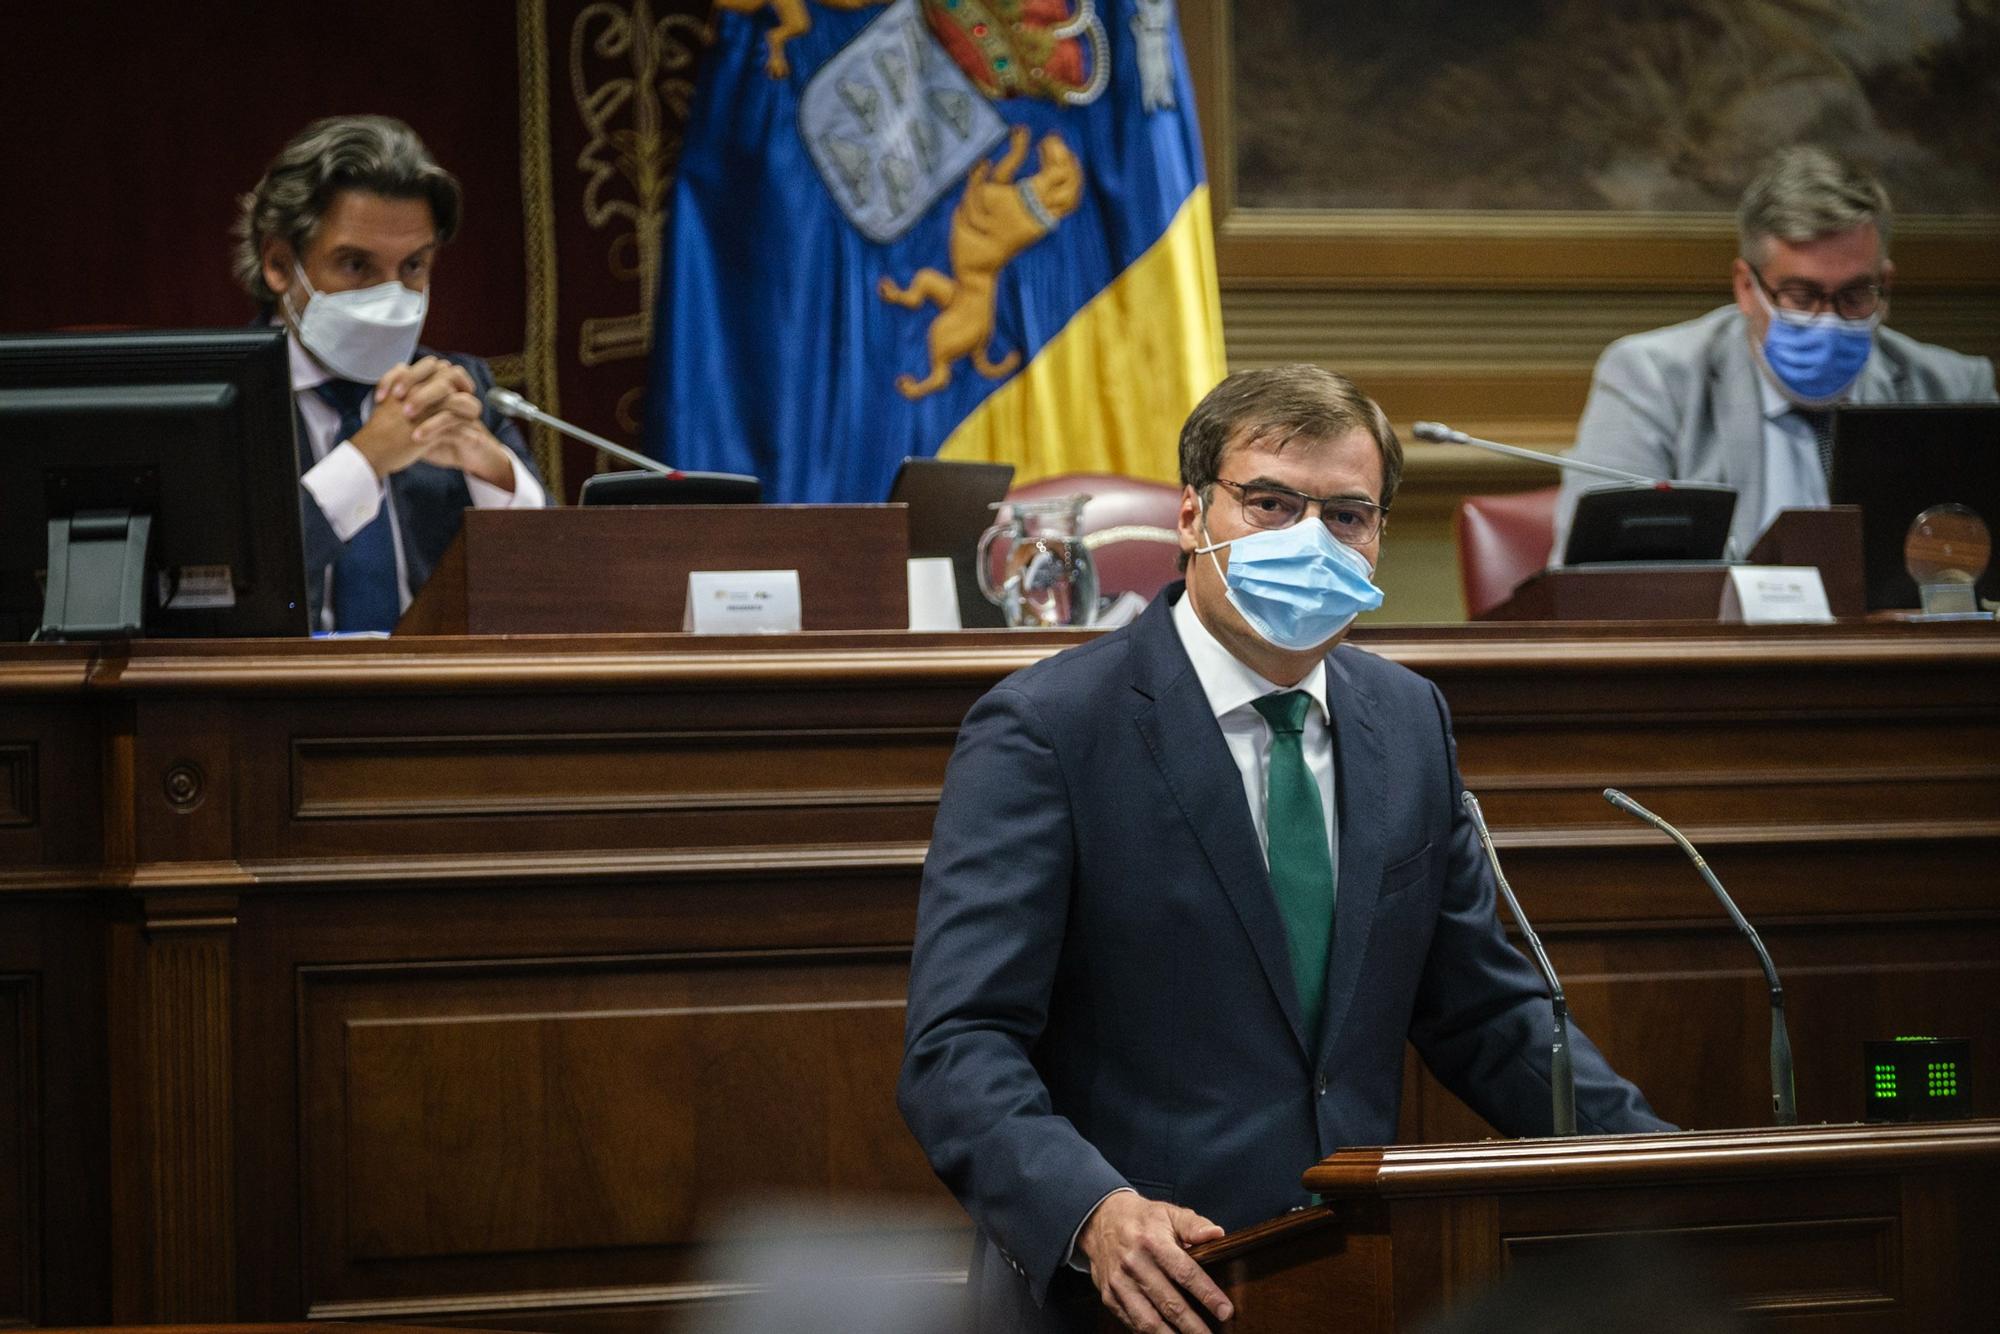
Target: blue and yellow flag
(968, 228)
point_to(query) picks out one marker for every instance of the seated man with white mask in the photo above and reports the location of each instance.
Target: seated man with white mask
(338, 242)
(1742, 395)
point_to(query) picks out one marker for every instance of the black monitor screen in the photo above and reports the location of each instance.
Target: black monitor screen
(1687, 521)
(1895, 462)
(182, 440)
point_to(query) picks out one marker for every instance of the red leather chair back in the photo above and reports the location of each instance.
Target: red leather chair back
(1501, 541)
(1135, 565)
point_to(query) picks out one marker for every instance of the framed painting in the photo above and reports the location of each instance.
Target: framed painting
(1560, 145)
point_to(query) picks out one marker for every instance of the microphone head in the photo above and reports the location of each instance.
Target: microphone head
(508, 402)
(1436, 432)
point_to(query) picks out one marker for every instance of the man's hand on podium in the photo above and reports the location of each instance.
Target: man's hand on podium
(1138, 1259)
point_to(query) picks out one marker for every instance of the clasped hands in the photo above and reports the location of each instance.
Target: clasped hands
(1137, 1250)
(427, 410)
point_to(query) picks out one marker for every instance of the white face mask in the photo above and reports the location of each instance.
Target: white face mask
(361, 335)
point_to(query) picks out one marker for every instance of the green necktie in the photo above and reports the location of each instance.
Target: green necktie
(1301, 862)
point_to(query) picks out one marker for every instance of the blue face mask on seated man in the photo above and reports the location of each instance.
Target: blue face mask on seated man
(1815, 358)
(1296, 587)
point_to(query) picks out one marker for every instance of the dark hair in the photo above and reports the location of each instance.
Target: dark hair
(378, 154)
(1275, 405)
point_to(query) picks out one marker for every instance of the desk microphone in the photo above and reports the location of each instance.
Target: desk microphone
(1784, 1103)
(511, 404)
(1439, 433)
(1562, 1079)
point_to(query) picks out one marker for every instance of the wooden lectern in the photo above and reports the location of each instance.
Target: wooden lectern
(1845, 1227)
(623, 569)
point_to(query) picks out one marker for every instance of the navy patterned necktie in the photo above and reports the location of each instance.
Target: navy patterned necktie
(364, 574)
(1295, 840)
(1821, 421)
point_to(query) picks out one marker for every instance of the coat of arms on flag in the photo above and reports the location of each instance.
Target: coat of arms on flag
(968, 227)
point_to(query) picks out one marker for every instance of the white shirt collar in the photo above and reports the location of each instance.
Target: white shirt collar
(1225, 679)
(306, 372)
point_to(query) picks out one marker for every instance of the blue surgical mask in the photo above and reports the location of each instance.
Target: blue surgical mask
(1296, 587)
(1813, 359)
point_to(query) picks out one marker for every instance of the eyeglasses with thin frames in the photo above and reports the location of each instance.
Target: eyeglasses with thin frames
(1268, 505)
(1856, 301)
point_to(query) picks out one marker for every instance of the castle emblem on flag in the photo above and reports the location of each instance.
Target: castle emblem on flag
(892, 123)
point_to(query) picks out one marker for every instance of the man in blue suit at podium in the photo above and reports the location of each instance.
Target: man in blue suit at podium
(1191, 887)
(338, 242)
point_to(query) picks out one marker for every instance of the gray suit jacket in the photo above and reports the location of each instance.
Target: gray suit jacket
(1101, 992)
(1683, 402)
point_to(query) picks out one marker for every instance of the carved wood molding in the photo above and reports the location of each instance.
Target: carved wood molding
(668, 662)
(188, 1128)
(20, 1155)
(17, 783)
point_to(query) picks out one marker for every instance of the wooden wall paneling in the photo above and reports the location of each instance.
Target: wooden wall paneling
(434, 977)
(20, 1150)
(575, 1124)
(667, 775)
(48, 768)
(592, 863)
(172, 1054)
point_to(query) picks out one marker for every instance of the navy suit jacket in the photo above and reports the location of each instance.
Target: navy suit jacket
(1101, 994)
(429, 501)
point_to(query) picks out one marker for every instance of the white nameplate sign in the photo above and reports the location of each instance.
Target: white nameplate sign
(933, 593)
(742, 602)
(1774, 595)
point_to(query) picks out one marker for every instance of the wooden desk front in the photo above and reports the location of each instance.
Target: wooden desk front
(466, 980)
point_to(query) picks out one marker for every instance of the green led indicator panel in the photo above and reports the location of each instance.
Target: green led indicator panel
(1911, 1078)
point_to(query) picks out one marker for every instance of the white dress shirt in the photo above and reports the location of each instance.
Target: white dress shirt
(344, 485)
(1793, 476)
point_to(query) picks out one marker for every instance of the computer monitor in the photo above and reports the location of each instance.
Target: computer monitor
(1895, 462)
(682, 488)
(1688, 521)
(951, 504)
(148, 486)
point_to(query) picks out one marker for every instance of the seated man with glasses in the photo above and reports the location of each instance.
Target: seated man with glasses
(1193, 886)
(1741, 396)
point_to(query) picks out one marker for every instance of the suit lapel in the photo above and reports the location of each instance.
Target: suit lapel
(1880, 381)
(1739, 415)
(1174, 717)
(1360, 808)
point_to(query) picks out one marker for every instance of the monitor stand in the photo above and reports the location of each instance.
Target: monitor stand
(97, 575)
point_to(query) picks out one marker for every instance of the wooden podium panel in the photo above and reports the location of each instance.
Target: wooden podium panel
(451, 980)
(1825, 1227)
(1827, 539)
(624, 569)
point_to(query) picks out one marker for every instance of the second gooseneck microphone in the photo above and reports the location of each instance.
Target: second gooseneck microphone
(1562, 1078)
(1784, 1101)
(513, 405)
(1439, 433)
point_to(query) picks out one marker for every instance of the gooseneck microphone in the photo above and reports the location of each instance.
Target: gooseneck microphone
(1439, 433)
(1562, 1079)
(511, 404)
(1784, 1102)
